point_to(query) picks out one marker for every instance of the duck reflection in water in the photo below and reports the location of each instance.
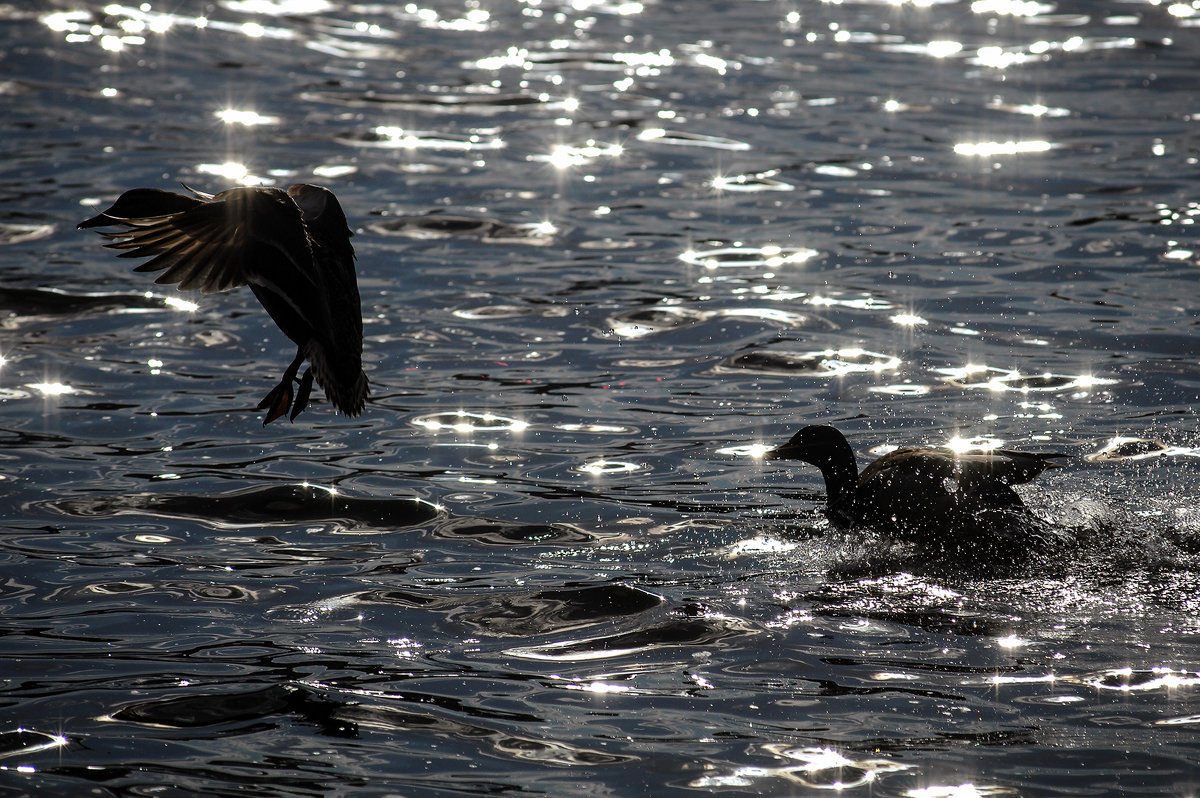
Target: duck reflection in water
(291, 247)
(945, 499)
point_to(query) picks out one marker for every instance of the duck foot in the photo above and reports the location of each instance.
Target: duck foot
(302, 393)
(279, 400)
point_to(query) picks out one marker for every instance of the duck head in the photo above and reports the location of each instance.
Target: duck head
(816, 445)
(826, 448)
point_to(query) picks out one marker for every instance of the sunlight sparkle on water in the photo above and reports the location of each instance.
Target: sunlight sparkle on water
(564, 156)
(944, 48)
(1021, 678)
(769, 255)
(279, 7)
(1129, 680)
(514, 57)
(908, 320)
(963, 445)
(602, 466)
(231, 170)
(1011, 8)
(402, 138)
(990, 149)
(328, 489)
(599, 688)
(1029, 109)
(903, 389)
(754, 450)
(464, 421)
(966, 790)
(178, 303)
(1000, 380)
(820, 768)
(51, 388)
(836, 362)
(757, 181)
(232, 116)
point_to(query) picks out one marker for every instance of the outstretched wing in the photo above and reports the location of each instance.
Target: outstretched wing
(209, 246)
(1005, 466)
(144, 204)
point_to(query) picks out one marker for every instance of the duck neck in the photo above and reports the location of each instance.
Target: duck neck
(841, 483)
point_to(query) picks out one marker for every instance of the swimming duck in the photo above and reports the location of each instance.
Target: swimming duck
(291, 247)
(917, 492)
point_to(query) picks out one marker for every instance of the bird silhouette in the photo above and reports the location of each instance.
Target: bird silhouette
(291, 247)
(916, 492)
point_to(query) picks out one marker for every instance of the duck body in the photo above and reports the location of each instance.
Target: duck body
(291, 247)
(916, 492)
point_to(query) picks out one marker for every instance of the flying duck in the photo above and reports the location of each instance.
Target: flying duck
(917, 492)
(291, 247)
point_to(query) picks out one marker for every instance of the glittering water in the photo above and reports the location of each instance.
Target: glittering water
(608, 252)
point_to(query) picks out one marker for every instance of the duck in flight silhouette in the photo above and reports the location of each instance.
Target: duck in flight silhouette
(291, 247)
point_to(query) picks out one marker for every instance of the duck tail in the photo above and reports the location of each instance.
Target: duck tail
(344, 382)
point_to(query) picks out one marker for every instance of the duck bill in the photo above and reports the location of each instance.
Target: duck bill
(785, 452)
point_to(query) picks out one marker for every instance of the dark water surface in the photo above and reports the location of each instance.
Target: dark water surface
(607, 252)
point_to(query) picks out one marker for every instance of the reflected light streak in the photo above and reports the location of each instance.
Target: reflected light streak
(232, 116)
(178, 303)
(602, 466)
(963, 445)
(1011, 8)
(1035, 678)
(514, 57)
(464, 421)
(1037, 110)
(908, 320)
(894, 676)
(564, 156)
(989, 149)
(771, 255)
(232, 170)
(965, 790)
(754, 450)
(1129, 680)
(279, 7)
(31, 742)
(334, 170)
(400, 138)
(1013, 380)
(49, 389)
(819, 768)
(944, 49)
(758, 181)
(597, 428)
(328, 489)
(837, 362)
(683, 139)
(905, 389)
(867, 303)
(599, 688)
